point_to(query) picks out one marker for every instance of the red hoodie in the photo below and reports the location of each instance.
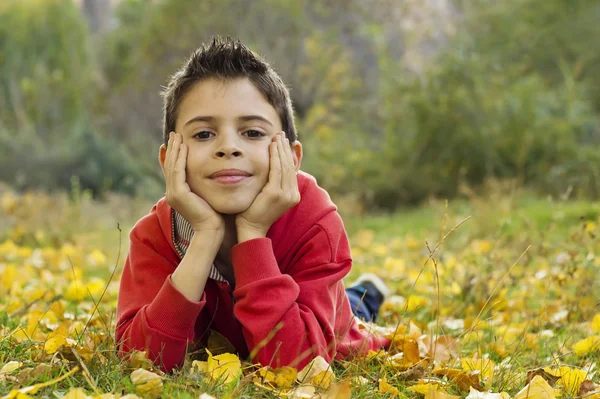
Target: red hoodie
(289, 304)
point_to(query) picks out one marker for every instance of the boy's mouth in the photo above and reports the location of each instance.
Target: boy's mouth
(229, 172)
(230, 176)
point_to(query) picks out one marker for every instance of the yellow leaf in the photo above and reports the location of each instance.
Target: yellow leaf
(486, 366)
(596, 323)
(54, 343)
(225, 367)
(303, 392)
(139, 360)
(147, 383)
(342, 390)
(424, 388)
(199, 366)
(76, 393)
(475, 394)
(587, 345)
(538, 388)
(570, 378)
(285, 376)
(21, 393)
(385, 387)
(323, 379)
(439, 395)
(10, 367)
(313, 368)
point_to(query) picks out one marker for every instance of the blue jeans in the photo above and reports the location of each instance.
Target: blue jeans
(364, 304)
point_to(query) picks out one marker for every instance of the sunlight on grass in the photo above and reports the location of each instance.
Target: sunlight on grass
(506, 306)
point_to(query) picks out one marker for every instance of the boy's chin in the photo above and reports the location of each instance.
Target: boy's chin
(230, 209)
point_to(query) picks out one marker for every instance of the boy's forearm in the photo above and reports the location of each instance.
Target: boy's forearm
(192, 273)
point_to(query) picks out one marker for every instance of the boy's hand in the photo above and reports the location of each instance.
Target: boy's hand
(279, 195)
(192, 207)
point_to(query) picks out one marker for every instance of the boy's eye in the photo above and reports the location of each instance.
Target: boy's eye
(254, 134)
(203, 135)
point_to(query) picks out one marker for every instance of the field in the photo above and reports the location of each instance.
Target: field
(494, 297)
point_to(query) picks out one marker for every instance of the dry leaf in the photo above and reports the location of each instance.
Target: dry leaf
(439, 395)
(147, 383)
(323, 379)
(218, 344)
(76, 393)
(54, 343)
(139, 360)
(385, 387)
(10, 367)
(464, 380)
(550, 378)
(302, 392)
(206, 396)
(424, 388)
(414, 373)
(587, 345)
(586, 387)
(285, 376)
(485, 366)
(313, 368)
(341, 390)
(474, 394)
(538, 388)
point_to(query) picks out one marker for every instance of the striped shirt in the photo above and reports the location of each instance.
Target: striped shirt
(182, 235)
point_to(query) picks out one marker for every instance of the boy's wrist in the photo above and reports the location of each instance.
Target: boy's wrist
(246, 233)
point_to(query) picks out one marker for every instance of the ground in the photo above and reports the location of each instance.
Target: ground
(497, 293)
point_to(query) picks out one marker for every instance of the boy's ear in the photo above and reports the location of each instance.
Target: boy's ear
(162, 155)
(297, 153)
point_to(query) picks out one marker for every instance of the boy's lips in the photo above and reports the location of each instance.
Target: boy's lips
(230, 176)
(229, 172)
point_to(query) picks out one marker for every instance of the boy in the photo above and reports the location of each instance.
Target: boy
(243, 243)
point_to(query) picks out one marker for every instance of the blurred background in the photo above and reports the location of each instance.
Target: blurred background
(397, 101)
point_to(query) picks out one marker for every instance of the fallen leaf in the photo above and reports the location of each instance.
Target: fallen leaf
(570, 378)
(474, 394)
(550, 378)
(538, 388)
(285, 376)
(439, 395)
(10, 367)
(302, 392)
(424, 388)
(206, 396)
(313, 368)
(76, 393)
(323, 379)
(147, 383)
(54, 343)
(586, 387)
(341, 390)
(385, 387)
(225, 367)
(464, 380)
(485, 366)
(587, 345)
(139, 360)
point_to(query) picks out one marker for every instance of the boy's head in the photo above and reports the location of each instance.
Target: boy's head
(228, 104)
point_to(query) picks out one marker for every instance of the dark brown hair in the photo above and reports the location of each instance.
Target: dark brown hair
(227, 59)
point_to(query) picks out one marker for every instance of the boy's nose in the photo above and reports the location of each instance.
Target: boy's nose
(228, 146)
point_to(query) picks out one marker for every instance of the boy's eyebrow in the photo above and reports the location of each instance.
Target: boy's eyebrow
(243, 118)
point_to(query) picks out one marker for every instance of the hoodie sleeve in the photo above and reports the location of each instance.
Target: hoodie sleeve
(152, 315)
(290, 318)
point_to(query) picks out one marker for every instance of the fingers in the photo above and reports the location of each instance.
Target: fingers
(175, 162)
(274, 165)
(288, 183)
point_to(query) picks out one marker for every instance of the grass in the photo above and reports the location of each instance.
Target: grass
(516, 283)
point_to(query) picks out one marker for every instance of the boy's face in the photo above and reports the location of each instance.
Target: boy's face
(227, 125)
